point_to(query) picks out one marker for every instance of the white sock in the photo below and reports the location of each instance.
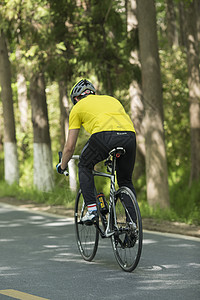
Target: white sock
(92, 207)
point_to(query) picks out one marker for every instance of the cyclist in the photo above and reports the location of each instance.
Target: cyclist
(106, 120)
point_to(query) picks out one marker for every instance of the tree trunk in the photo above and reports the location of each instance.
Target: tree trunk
(194, 89)
(22, 101)
(43, 169)
(64, 112)
(1, 128)
(172, 32)
(22, 94)
(197, 9)
(156, 162)
(64, 124)
(135, 92)
(10, 146)
(182, 24)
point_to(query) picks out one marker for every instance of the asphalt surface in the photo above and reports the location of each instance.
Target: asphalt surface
(40, 260)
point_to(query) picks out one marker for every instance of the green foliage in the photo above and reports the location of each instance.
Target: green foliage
(157, 213)
(161, 22)
(1, 165)
(176, 111)
(59, 196)
(188, 215)
(184, 203)
(185, 200)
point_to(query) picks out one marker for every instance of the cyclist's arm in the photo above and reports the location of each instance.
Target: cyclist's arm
(69, 147)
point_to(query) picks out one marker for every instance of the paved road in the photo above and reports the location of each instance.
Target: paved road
(38, 256)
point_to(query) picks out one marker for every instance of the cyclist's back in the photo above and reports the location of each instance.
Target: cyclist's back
(97, 113)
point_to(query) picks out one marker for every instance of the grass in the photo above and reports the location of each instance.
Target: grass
(158, 213)
(185, 201)
(59, 196)
(184, 204)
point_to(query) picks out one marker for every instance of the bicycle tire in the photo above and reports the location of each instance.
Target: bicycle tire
(127, 242)
(87, 237)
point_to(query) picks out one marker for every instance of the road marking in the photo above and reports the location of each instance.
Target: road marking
(20, 295)
(173, 235)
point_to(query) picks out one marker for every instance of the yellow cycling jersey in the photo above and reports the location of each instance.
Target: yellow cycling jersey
(97, 113)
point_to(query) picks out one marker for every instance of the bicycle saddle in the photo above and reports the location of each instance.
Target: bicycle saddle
(117, 152)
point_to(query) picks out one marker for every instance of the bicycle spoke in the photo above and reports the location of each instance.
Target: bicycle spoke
(127, 241)
(87, 236)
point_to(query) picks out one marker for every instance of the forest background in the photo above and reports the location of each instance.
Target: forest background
(144, 53)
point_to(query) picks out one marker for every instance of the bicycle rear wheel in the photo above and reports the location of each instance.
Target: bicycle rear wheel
(127, 240)
(87, 237)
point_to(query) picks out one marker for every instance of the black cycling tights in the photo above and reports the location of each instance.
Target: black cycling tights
(97, 149)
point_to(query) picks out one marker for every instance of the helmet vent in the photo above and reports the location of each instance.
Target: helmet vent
(80, 87)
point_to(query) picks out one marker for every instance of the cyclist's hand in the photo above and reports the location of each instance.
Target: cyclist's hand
(61, 171)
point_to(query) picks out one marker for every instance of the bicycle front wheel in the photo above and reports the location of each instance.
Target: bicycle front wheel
(87, 236)
(127, 240)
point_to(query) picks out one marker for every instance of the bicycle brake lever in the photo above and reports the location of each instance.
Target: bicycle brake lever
(60, 158)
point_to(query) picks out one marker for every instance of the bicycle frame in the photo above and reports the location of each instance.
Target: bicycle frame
(108, 232)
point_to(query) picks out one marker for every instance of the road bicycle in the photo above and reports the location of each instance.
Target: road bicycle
(116, 220)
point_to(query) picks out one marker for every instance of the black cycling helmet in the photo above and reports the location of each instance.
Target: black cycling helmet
(79, 88)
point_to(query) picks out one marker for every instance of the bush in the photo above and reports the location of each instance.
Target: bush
(185, 200)
(59, 195)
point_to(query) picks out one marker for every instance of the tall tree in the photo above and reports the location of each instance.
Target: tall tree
(43, 169)
(182, 24)
(64, 124)
(135, 89)
(22, 93)
(1, 127)
(156, 162)
(172, 32)
(194, 87)
(197, 9)
(10, 145)
(64, 112)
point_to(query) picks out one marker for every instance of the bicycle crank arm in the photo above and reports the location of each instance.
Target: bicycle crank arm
(109, 234)
(103, 234)
(100, 231)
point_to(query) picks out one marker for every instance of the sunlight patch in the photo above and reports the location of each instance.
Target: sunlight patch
(147, 242)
